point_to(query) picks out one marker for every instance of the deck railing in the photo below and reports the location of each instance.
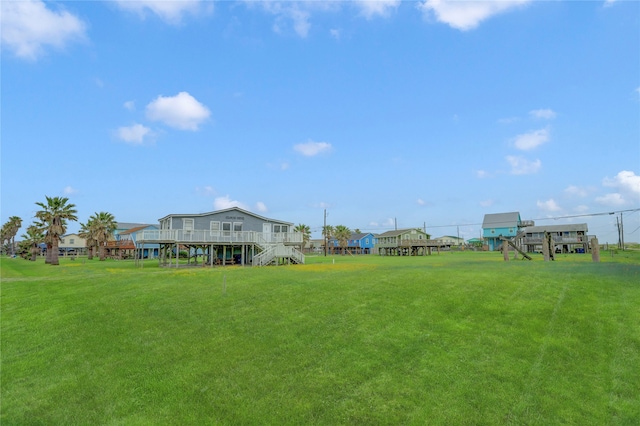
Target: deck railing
(409, 243)
(226, 237)
(580, 239)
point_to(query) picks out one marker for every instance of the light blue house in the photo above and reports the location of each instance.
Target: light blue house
(498, 225)
(358, 243)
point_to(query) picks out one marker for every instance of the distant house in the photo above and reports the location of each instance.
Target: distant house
(358, 243)
(498, 225)
(569, 238)
(72, 244)
(475, 242)
(450, 241)
(124, 245)
(229, 236)
(405, 242)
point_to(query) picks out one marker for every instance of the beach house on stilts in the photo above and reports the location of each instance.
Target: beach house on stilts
(225, 237)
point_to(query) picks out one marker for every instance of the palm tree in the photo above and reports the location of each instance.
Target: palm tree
(10, 230)
(5, 235)
(104, 224)
(342, 234)
(306, 233)
(32, 240)
(53, 217)
(87, 231)
(327, 232)
(16, 224)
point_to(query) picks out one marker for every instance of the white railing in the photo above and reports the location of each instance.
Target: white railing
(247, 237)
(277, 251)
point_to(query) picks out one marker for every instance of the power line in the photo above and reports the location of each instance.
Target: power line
(538, 219)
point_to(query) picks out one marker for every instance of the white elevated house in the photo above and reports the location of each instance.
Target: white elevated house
(225, 237)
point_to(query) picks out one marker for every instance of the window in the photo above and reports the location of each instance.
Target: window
(214, 228)
(226, 228)
(187, 224)
(280, 228)
(72, 241)
(237, 226)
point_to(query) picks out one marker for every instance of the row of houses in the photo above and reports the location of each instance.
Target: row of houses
(566, 238)
(237, 236)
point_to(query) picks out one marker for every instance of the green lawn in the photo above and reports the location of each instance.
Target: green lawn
(454, 338)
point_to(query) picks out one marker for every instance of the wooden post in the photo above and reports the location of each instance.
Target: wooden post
(545, 247)
(595, 250)
(505, 250)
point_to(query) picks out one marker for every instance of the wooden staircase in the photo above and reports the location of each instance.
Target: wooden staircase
(274, 252)
(511, 242)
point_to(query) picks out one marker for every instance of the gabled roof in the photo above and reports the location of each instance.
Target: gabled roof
(128, 225)
(501, 220)
(266, 219)
(558, 228)
(136, 229)
(396, 232)
(359, 235)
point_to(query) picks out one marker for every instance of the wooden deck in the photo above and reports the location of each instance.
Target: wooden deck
(180, 236)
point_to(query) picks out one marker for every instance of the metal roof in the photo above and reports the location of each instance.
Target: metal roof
(501, 220)
(266, 219)
(396, 232)
(558, 228)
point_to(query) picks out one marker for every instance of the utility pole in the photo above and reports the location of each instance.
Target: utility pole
(619, 238)
(324, 232)
(621, 231)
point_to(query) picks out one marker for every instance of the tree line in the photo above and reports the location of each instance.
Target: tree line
(51, 224)
(55, 213)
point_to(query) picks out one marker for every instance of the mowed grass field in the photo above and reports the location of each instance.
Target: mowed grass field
(451, 339)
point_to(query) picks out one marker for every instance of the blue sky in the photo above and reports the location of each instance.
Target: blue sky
(383, 112)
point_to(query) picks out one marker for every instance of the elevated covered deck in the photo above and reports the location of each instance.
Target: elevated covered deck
(218, 247)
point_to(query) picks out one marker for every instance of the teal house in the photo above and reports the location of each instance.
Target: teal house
(496, 225)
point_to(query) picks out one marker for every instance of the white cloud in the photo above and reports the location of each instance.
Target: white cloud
(608, 3)
(28, 26)
(134, 134)
(420, 202)
(335, 33)
(611, 200)
(508, 120)
(383, 8)
(69, 190)
(550, 205)
(545, 114)
(531, 140)
(171, 12)
(522, 166)
(481, 174)
(576, 191)
(206, 190)
(130, 105)
(487, 203)
(225, 202)
(387, 223)
(311, 148)
(467, 15)
(285, 11)
(182, 111)
(261, 207)
(627, 185)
